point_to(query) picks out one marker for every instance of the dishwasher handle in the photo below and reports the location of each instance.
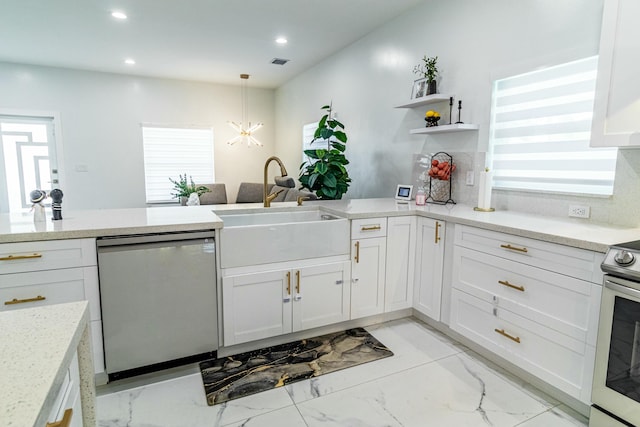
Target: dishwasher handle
(136, 239)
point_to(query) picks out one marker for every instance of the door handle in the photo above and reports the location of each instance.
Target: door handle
(437, 232)
(22, 301)
(15, 257)
(511, 285)
(357, 257)
(514, 248)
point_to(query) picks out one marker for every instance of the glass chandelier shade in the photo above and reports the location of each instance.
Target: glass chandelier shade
(245, 129)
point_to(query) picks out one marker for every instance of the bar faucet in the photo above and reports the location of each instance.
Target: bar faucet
(267, 198)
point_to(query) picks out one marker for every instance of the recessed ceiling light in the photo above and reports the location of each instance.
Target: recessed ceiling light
(129, 61)
(281, 40)
(119, 15)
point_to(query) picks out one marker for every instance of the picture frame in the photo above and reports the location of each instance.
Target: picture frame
(419, 88)
(404, 192)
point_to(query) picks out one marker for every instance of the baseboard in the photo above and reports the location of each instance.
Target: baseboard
(281, 339)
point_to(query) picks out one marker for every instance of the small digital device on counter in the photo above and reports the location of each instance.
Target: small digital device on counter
(403, 193)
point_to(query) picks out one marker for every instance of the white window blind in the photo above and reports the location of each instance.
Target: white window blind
(540, 132)
(170, 152)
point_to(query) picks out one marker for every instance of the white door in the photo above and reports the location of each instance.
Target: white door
(429, 262)
(367, 276)
(401, 251)
(28, 160)
(321, 295)
(256, 305)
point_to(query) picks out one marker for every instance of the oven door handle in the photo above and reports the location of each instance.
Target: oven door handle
(622, 289)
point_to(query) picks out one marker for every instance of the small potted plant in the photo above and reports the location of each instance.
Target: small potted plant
(429, 70)
(183, 189)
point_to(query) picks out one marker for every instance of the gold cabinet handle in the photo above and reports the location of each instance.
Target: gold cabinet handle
(297, 281)
(15, 257)
(504, 334)
(511, 285)
(22, 301)
(357, 257)
(437, 232)
(288, 283)
(370, 228)
(514, 248)
(65, 421)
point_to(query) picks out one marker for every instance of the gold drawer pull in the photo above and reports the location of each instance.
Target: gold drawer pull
(22, 301)
(504, 334)
(511, 285)
(371, 228)
(514, 248)
(297, 281)
(65, 421)
(437, 234)
(15, 257)
(357, 257)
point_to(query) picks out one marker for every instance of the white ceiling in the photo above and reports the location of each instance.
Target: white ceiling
(202, 40)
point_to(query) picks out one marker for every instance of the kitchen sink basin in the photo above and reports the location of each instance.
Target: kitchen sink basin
(268, 237)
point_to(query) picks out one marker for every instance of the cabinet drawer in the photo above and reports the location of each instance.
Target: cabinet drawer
(562, 303)
(559, 360)
(369, 227)
(46, 255)
(48, 287)
(566, 260)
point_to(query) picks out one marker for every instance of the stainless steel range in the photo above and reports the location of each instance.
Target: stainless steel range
(616, 381)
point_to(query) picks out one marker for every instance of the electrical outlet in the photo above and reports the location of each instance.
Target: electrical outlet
(469, 177)
(579, 211)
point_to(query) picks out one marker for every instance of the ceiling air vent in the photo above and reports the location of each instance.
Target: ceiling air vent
(279, 61)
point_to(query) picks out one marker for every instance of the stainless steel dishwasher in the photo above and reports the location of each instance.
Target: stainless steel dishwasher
(158, 298)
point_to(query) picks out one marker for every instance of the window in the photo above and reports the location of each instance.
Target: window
(540, 132)
(28, 157)
(169, 152)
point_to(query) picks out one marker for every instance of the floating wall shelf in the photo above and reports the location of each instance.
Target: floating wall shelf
(429, 99)
(445, 129)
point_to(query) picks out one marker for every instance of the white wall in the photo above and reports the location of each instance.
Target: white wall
(101, 115)
(476, 42)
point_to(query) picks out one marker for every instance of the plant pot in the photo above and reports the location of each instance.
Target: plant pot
(431, 87)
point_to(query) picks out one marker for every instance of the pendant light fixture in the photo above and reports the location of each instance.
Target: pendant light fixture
(244, 128)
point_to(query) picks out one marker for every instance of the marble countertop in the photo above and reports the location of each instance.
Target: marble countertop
(36, 348)
(109, 222)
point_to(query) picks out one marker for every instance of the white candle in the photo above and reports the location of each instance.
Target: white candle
(484, 193)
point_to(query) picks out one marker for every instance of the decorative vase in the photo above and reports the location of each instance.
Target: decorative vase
(193, 200)
(431, 87)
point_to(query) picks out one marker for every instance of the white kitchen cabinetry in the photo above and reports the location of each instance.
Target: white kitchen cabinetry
(67, 407)
(266, 303)
(429, 265)
(617, 102)
(531, 302)
(368, 255)
(400, 263)
(34, 274)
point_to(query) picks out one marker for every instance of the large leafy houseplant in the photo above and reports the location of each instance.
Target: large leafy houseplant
(325, 173)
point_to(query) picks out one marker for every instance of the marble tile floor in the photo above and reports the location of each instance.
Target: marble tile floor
(430, 381)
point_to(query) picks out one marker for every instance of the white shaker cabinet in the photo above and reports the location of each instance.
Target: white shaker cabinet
(429, 266)
(533, 303)
(400, 264)
(39, 273)
(617, 102)
(368, 255)
(263, 304)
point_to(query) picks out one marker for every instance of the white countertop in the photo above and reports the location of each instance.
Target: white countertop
(36, 348)
(109, 222)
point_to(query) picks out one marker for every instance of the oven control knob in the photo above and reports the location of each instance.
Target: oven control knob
(624, 258)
